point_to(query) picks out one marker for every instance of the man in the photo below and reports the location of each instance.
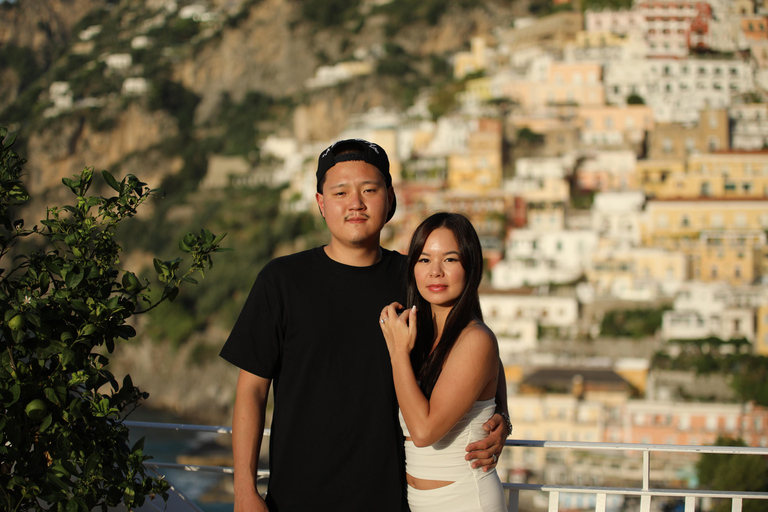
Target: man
(310, 324)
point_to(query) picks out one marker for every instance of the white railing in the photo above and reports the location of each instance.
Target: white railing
(645, 493)
(601, 494)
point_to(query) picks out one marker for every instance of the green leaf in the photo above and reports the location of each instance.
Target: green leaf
(46, 423)
(74, 276)
(111, 181)
(89, 329)
(51, 395)
(72, 506)
(53, 266)
(187, 242)
(67, 356)
(71, 184)
(138, 446)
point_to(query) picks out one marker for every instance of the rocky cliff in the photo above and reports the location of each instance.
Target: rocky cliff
(264, 46)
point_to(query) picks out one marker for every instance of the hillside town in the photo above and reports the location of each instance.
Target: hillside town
(639, 179)
(611, 160)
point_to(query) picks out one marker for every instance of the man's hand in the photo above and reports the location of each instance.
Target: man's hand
(482, 452)
(249, 502)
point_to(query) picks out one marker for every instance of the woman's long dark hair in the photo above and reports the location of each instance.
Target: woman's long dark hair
(428, 364)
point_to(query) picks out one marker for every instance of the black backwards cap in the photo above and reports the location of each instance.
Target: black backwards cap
(356, 150)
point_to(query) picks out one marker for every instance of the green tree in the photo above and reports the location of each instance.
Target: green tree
(732, 472)
(63, 444)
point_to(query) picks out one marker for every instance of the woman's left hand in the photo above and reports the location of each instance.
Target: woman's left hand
(399, 331)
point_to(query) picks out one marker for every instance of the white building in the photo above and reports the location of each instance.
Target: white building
(135, 86)
(726, 324)
(90, 32)
(702, 310)
(326, 76)
(61, 95)
(118, 61)
(621, 22)
(617, 217)
(541, 179)
(535, 257)
(749, 126)
(677, 89)
(140, 42)
(548, 311)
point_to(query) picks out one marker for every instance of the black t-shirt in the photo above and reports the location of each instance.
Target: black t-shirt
(311, 325)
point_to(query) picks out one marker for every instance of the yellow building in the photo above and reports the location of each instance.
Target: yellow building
(677, 224)
(732, 256)
(479, 168)
(465, 63)
(652, 175)
(742, 175)
(761, 334)
(479, 89)
(640, 273)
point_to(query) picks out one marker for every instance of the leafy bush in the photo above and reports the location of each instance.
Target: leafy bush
(633, 323)
(329, 13)
(733, 472)
(176, 99)
(22, 61)
(62, 439)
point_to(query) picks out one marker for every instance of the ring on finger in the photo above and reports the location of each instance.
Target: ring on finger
(495, 458)
(382, 320)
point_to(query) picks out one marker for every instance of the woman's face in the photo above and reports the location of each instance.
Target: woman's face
(439, 275)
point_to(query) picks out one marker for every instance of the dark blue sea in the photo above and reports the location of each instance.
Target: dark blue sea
(166, 445)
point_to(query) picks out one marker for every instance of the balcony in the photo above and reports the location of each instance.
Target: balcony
(549, 497)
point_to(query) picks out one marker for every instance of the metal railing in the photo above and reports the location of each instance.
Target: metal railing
(645, 493)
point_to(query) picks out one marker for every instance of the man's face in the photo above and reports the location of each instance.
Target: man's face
(355, 202)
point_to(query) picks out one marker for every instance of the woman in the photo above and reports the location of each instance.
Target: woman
(445, 371)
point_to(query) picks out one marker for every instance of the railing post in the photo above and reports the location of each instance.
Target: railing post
(690, 504)
(513, 501)
(736, 505)
(554, 501)
(600, 502)
(646, 469)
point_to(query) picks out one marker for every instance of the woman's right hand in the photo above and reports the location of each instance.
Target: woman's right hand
(399, 331)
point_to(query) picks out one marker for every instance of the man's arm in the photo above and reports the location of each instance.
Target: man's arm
(482, 452)
(247, 434)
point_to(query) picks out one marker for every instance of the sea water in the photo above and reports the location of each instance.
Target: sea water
(167, 445)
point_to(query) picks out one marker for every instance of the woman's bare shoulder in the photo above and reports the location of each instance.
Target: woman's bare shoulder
(477, 333)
